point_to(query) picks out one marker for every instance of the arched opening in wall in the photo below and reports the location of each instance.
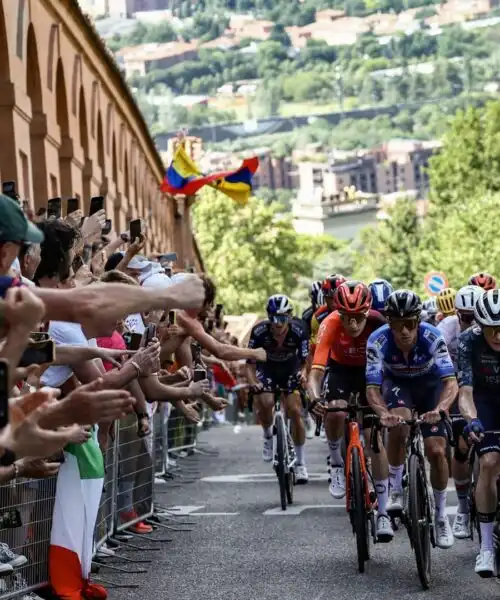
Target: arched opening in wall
(135, 200)
(38, 123)
(84, 142)
(66, 148)
(126, 180)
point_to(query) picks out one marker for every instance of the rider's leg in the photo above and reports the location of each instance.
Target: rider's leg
(264, 404)
(461, 477)
(293, 404)
(398, 400)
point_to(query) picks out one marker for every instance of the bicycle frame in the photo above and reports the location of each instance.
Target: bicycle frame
(355, 442)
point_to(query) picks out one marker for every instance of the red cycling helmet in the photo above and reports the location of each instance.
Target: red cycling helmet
(330, 285)
(484, 280)
(353, 297)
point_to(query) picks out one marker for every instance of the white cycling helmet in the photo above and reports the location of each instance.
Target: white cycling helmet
(487, 309)
(467, 297)
(430, 306)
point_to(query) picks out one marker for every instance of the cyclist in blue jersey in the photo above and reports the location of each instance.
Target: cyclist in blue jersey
(479, 380)
(409, 367)
(381, 290)
(286, 342)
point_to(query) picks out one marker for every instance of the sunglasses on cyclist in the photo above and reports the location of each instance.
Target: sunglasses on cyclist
(400, 324)
(348, 317)
(493, 331)
(279, 319)
(466, 317)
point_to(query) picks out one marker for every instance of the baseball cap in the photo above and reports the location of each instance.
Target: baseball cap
(14, 226)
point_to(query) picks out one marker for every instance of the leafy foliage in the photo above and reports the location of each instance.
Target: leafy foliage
(253, 251)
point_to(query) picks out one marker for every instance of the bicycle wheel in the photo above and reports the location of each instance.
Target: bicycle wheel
(420, 520)
(289, 475)
(358, 510)
(281, 457)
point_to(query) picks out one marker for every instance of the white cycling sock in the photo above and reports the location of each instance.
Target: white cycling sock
(487, 535)
(268, 432)
(396, 478)
(382, 489)
(440, 501)
(299, 451)
(336, 459)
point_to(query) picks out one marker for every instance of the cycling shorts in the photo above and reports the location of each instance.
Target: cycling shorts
(415, 394)
(341, 381)
(273, 377)
(488, 412)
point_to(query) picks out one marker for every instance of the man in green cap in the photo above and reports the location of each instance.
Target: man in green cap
(15, 230)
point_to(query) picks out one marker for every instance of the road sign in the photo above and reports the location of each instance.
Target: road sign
(435, 282)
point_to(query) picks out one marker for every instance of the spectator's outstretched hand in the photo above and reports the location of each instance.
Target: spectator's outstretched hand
(22, 309)
(91, 403)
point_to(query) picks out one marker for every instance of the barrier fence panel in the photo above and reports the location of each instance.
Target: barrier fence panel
(26, 508)
(181, 434)
(107, 509)
(160, 426)
(135, 475)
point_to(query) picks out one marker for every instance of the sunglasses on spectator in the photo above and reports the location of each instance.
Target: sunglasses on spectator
(348, 317)
(400, 324)
(466, 317)
(279, 319)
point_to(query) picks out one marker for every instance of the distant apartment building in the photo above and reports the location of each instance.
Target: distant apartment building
(398, 166)
(140, 60)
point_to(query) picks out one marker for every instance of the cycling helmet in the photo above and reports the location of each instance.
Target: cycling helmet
(467, 297)
(331, 283)
(483, 280)
(446, 300)
(403, 303)
(353, 297)
(487, 308)
(279, 304)
(314, 291)
(381, 290)
(430, 306)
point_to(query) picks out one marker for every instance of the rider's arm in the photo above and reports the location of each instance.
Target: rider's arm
(375, 374)
(325, 339)
(223, 351)
(465, 378)
(446, 371)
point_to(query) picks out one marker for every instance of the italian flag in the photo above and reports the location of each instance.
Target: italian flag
(78, 495)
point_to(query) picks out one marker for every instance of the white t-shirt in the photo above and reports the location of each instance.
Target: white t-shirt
(450, 328)
(68, 334)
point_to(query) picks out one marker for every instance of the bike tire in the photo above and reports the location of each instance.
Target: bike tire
(418, 508)
(281, 457)
(358, 511)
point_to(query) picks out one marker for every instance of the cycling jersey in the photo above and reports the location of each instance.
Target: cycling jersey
(292, 351)
(319, 316)
(450, 330)
(428, 359)
(335, 344)
(307, 316)
(478, 363)
(479, 366)
(283, 360)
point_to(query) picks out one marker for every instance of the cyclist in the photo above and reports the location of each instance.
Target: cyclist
(286, 343)
(451, 327)
(445, 303)
(408, 366)
(338, 371)
(314, 295)
(429, 310)
(483, 280)
(328, 288)
(381, 289)
(479, 380)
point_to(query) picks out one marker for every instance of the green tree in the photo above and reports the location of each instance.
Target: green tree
(388, 250)
(252, 251)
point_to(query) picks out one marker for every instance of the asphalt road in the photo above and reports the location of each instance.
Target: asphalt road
(243, 547)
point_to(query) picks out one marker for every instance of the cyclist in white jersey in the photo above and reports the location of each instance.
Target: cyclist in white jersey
(451, 327)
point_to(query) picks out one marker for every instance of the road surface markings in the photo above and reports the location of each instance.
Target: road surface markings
(192, 511)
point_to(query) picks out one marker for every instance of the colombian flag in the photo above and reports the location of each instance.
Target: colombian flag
(184, 177)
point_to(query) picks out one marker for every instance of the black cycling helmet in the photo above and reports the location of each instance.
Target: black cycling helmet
(403, 303)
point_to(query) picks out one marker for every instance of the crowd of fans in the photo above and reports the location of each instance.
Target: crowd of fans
(93, 332)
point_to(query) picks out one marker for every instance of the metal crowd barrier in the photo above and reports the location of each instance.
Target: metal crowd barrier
(131, 466)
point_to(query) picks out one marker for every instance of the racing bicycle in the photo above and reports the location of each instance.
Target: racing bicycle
(361, 500)
(418, 504)
(284, 452)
